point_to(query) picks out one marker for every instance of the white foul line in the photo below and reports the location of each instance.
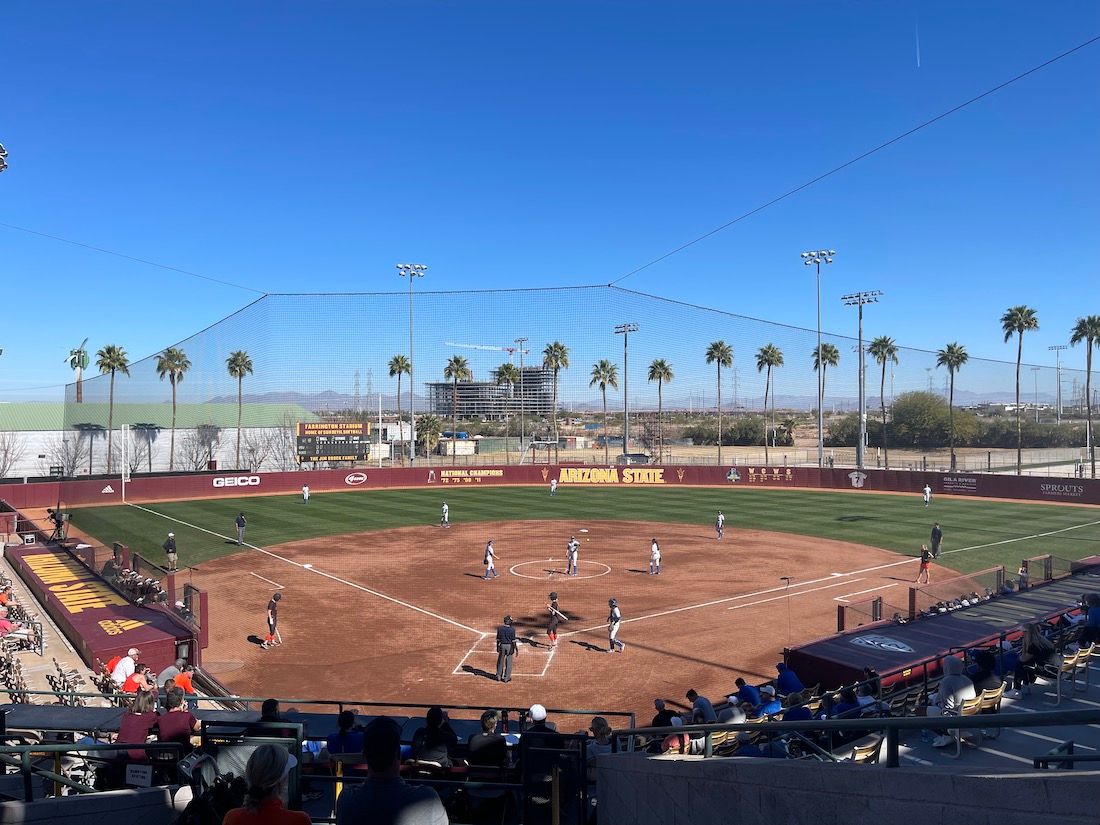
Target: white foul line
(314, 570)
(269, 581)
(799, 593)
(458, 668)
(844, 598)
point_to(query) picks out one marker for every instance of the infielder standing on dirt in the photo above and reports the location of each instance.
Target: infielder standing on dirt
(571, 550)
(720, 524)
(490, 555)
(553, 486)
(556, 618)
(614, 619)
(445, 516)
(272, 621)
(654, 558)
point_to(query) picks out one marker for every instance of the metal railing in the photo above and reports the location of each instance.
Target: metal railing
(889, 726)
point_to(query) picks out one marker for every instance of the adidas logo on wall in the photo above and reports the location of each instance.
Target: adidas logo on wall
(107, 489)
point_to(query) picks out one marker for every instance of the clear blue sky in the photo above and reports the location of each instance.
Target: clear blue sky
(310, 146)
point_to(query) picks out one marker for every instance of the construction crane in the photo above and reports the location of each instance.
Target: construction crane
(510, 350)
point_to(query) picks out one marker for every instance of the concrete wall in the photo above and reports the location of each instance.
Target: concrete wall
(635, 790)
(148, 806)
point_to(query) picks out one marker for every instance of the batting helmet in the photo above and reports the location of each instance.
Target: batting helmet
(277, 596)
(553, 597)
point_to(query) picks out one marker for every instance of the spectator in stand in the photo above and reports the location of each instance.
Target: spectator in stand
(983, 674)
(266, 772)
(125, 667)
(848, 706)
(7, 595)
(140, 681)
(733, 714)
(748, 694)
(599, 742)
(385, 799)
(541, 733)
(1091, 633)
(745, 746)
(167, 677)
(1007, 660)
(787, 681)
(702, 711)
(137, 723)
(797, 712)
(432, 743)
(16, 630)
(663, 717)
(676, 742)
(178, 724)
(346, 739)
(488, 748)
(873, 680)
(1036, 653)
(769, 702)
(184, 679)
(955, 688)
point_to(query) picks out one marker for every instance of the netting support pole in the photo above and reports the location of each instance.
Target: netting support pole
(913, 602)
(840, 618)
(876, 609)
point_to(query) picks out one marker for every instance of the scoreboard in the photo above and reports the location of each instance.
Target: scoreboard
(333, 441)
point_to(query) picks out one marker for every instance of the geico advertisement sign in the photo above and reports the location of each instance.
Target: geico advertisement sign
(237, 481)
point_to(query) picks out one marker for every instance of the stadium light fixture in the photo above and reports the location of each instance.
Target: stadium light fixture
(412, 272)
(3, 158)
(816, 258)
(858, 299)
(625, 330)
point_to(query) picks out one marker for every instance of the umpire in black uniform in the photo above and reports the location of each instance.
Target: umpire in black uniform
(506, 649)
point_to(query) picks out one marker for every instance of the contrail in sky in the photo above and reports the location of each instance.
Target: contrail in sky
(917, 30)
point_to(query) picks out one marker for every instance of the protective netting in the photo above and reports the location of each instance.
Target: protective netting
(318, 353)
(955, 592)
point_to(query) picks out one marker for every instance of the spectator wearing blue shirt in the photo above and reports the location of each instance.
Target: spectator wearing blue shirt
(745, 747)
(747, 693)
(848, 704)
(345, 740)
(701, 708)
(769, 704)
(1091, 633)
(787, 682)
(797, 712)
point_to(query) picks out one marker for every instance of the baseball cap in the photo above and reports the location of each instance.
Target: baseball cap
(133, 652)
(538, 713)
(733, 700)
(677, 722)
(768, 689)
(659, 704)
(171, 535)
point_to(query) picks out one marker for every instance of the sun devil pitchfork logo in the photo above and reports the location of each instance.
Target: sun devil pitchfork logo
(733, 476)
(545, 473)
(884, 643)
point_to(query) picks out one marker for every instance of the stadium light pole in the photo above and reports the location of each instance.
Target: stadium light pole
(1035, 374)
(519, 342)
(1057, 349)
(412, 272)
(858, 299)
(625, 330)
(817, 258)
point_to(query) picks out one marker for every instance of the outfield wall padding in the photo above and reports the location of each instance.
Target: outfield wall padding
(84, 492)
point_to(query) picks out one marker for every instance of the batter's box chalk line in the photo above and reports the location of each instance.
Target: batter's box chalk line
(483, 652)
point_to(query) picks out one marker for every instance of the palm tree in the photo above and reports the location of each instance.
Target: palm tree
(883, 350)
(555, 357)
(720, 353)
(768, 357)
(1016, 321)
(428, 429)
(508, 374)
(111, 359)
(830, 357)
(606, 374)
(173, 363)
(953, 356)
(239, 365)
(661, 372)
(456, 370)
(1088, 330)
(399, 365)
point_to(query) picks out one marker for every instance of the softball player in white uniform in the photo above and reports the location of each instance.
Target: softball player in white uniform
(655, 559)
(571, 550)
(927, 495)
(720, 524)
(445, 516)
(490, 555)
(553, 486)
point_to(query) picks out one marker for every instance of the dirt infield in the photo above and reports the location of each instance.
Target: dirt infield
(404, 615)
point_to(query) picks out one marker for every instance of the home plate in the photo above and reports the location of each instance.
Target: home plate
(308, 566)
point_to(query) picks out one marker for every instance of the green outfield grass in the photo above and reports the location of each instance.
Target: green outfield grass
(899, 523)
